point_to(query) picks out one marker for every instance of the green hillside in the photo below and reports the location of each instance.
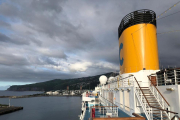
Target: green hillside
(59, 84)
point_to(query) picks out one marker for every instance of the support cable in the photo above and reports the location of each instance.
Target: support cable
(160, 15)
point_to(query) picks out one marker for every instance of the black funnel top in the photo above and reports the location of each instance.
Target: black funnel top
(137, 17)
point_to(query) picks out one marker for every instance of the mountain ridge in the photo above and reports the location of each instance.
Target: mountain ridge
(61, 84)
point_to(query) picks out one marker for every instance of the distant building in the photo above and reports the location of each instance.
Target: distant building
(72, 93)
(56, 93)
(49, 93)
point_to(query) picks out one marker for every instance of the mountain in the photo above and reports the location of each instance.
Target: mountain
(59, 84)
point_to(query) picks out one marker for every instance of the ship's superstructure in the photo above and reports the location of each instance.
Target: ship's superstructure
(141, 89)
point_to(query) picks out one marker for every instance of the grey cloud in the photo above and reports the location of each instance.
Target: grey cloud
(8, 9)
(73, 31)
(54, 53)
(4, 24)
(44, 5)
(24, 74)
(30, 13)
(40, 60)
(19, 41)
(11, 60)
(48, 60)
(34, 60)
(4, 38)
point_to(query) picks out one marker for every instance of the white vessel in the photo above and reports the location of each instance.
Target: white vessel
(141, 90)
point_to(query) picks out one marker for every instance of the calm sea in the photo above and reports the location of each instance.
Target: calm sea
(42, 108)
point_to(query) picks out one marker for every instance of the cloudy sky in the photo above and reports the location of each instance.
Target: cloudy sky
(47, 39)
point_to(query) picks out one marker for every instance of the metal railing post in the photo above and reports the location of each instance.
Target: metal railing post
(169, 112)
(103, 111)
(157, 96)
(175, 77)
(164, 78)
(123, 83)
(117, 111)
(162, 103)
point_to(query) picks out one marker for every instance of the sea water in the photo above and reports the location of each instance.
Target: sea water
(44, 108)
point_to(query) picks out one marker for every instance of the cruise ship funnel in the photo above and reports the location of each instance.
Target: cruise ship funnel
(138, 48)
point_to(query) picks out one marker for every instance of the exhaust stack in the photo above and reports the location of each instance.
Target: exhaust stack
(138, 48)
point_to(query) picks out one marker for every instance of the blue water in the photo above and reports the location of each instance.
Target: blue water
(44, 108)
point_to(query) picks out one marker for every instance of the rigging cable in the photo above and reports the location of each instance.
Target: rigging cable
(168, 9)
(160, 15)
(168, 15)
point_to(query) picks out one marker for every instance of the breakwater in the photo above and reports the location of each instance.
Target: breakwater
(7, 109)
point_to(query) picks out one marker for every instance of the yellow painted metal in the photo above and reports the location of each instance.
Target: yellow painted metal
(140, 48)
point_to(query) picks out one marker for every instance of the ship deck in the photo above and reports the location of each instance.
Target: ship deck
(99, 108)
(100, 115)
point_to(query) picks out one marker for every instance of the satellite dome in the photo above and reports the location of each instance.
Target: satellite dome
(111, 78)
(103, 79)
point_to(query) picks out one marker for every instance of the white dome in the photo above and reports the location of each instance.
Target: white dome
(103, 79)
(111, 78)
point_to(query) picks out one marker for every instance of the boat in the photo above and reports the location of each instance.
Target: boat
(141, 90)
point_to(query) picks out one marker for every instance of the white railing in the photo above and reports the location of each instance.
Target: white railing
(105, 102)
(123, 82)
(160, 99)
(168, 77)
(143, 102)
(128, 82)
(82, 115)
(107, 108)
(104, 111)
(84, 111)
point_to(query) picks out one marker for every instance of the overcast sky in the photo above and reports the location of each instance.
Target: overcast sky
(42, 40)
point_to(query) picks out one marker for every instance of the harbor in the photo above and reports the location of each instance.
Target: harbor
(57, 93)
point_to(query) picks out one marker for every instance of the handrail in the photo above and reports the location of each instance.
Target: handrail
(105, 106)
(175, 117)
(136, 115)
(82, 115)
(142, 92)
(158, 91)
(169, 69)
(148, 102)
(163, 109)
(123, 104)
(108, 100)
(123, 78)
(127, 77)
